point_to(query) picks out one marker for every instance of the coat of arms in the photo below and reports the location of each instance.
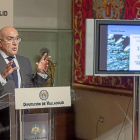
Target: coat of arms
(108, 9)
(35, 129)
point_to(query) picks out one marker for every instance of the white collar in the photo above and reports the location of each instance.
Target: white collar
(4, 55)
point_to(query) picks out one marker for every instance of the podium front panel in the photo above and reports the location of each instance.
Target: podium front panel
(35, 126)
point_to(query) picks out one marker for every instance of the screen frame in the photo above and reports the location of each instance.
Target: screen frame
(99, 22)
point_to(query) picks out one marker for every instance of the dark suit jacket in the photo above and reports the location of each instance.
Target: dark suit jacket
(27, 77)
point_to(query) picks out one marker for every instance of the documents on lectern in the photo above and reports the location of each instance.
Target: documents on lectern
(42, 97)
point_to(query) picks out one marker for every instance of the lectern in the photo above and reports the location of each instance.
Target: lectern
(16, 122)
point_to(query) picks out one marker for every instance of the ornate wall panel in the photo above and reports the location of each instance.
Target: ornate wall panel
(106, 9)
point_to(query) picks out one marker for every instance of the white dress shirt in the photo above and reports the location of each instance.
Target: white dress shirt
(3, 81)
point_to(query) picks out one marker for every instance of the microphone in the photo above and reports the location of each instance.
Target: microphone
(49, 77)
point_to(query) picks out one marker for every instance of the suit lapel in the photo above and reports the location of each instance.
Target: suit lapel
(2, 63)
(20, 62)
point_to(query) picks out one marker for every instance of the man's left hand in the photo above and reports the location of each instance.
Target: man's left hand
(42, 64)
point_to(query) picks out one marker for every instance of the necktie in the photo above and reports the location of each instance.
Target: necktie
(14, 73)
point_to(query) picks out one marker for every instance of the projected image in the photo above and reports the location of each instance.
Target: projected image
(118, 52)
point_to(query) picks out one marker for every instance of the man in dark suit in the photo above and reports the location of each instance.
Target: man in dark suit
(12, 64)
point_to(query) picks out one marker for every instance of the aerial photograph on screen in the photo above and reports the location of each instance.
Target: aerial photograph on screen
(118, 50)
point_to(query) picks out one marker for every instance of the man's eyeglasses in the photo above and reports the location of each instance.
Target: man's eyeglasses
(11, 39)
